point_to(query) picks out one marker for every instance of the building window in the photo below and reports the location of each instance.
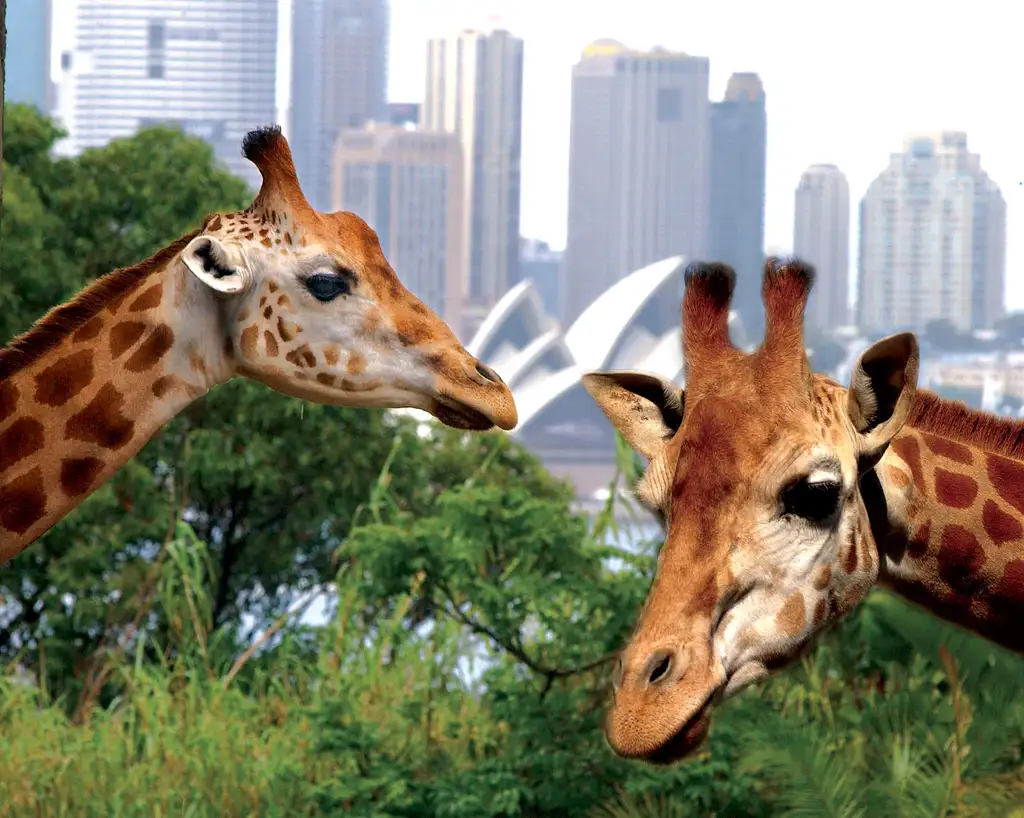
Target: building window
(156, 35)
(670, 105)
(156, 71)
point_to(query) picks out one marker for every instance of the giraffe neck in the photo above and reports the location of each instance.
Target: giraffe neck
(947, 508)
(91, 383)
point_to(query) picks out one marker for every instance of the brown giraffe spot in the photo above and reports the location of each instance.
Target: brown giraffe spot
(8, 400)
(326, 378)
(196, 362)
(1007, 479)
(999, 525)
(287, 237)
(302, 376)
(102, 421)
(264, 232)
(961, 560)
(23, 502)
(123, 337)
(822, 575)
(851, 599)
(949, 449)
(266, 242)
(58, 384)
(214, 224)
(243, 315)
(284, 301)
(23, 437)
(917, 545)
(77, 474)
(115, 303)
(955, 490)
(910, 453)
(897, 477)
(850, 557)
(285, 329)
(249, 337)
(303, 356)
(270, 342)
(263, 300)
(356, 363)
(268, 311)
(371, 322)
(272, 286)
(1007, 598)
(331, 355)
(419, 308)
(154, 348)
(89, 330)
(820, 609)
(163, 385)
(792, 618)
(149, 299)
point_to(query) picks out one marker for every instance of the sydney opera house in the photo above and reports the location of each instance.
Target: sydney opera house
(633, 325)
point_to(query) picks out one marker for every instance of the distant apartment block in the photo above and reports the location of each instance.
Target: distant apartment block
(407, 185)
(339, 81)
(27, 62)
(205, 66)
(638, 166)
(474, 90)
(737, 190)
(543, 266)
(933, 239)
(821, 236)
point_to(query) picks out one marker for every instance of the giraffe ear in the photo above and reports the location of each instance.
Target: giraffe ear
(882, 390)
(646, 410)
(208, 259)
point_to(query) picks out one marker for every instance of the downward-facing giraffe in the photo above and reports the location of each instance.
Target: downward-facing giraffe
(302, 301)
(785, 497)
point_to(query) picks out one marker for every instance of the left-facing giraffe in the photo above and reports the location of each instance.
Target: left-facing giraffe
(302, 301)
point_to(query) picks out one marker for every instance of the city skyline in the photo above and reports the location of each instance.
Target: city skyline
(820, 109)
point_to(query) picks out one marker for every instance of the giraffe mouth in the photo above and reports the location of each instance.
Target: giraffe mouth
(686, 740)
(458, 415)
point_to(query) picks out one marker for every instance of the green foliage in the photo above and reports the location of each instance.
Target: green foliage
(463, 669)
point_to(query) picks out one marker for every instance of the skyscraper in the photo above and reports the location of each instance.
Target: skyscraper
(638, 165)
(737, 190)
(407, 185)
(339, 80)
(821, 236)
(206, 66)
(933, 239)
(475, 90)
(27, 63)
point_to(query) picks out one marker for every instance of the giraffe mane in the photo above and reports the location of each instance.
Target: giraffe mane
(955, 419)
(58, 323)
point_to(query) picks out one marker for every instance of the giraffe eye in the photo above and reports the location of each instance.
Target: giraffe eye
(814, 501)
(327, 286)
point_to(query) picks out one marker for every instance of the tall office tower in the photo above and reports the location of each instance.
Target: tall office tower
(821, 236)
(339, 81)
(638, 165)
(475, 90)
(537, 261)
(27, 63)
(932, 240)
(407, 185)
(737, 191)
(208, 67)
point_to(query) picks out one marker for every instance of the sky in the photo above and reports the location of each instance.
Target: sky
(845, 82)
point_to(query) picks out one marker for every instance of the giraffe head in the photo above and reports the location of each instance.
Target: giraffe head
(754, 472)
(309, 305)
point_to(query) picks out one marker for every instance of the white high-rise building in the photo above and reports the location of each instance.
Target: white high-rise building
(475, 90)
(639, 166)
(933, 239)
(206, 66)
(821, 236)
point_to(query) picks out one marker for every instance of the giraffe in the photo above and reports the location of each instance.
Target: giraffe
(785, 497)
(301, 301)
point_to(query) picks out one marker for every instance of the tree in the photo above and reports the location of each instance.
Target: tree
(3, 62)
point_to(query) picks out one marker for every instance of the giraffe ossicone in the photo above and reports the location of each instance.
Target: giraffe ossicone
(302, 301)
(785, 497)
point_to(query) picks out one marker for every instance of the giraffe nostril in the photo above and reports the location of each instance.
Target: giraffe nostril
(617, 674)
(658, 666)
(488, 374)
